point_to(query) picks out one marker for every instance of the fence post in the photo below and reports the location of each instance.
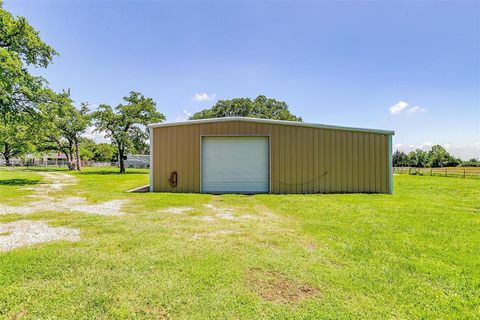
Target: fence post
(464, 173)
(431, 172)
(446, 172)
(409, 170)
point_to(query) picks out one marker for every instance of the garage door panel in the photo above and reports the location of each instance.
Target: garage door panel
(235, 164)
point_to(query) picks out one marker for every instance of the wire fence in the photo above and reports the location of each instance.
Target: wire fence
(459, 172)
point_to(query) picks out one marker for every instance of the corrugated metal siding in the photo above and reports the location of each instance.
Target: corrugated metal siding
(303, 159)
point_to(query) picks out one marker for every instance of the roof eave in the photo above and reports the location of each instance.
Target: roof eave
(280, 122)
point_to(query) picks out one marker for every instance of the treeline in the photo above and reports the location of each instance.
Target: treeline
(436, 157)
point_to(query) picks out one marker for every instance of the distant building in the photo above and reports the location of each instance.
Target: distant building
(137, 161)
(54, 158)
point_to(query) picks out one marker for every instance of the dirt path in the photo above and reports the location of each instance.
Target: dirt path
(53, 181)
(22, 233)
(48, 200)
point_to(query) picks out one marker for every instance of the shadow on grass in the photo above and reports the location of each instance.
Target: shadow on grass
(109, 172)
(18, 182)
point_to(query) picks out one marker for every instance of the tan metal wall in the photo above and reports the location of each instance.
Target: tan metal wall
(303, 159)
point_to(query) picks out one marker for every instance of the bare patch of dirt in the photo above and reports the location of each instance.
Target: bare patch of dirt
(21, 314)
(310, 246)
(177, 210)
(109, 208)
(227, 214)
(213, 234)
(28, 232)
(213, 213)
(222, 213)
(204, 218)
(276, 287)
(156, 313)
(249, 217)
(269, 245)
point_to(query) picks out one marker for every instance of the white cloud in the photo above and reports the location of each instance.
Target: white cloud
(425, 146)
(203, 96)
(398, 107)
(464, 151)
(416, 109)
(98, 137)
(184, 116)
(401, 106)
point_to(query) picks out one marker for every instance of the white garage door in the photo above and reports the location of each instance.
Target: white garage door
(235, 164)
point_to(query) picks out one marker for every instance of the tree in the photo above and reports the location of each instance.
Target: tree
(104, 152)
(20, 92)
(400, 159)
(127, 121)
(139, 143)
(261, 107)
(100, 152)
(418, 158)
(87, 149)
(20, 48)
(64, 125)
(438, 156)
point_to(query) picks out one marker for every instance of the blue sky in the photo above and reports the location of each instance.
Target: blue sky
(342, 63)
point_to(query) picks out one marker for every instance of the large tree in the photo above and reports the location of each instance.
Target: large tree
(438, 156)
(260, 107)
(20, 49)
(127, 122)
(21, 93)
(64, 125)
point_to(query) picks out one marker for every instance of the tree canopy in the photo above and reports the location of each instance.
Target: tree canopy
(100, 152)
(260, 107)
(21, 47)
(437, 156)
(18, 134)
(127, 122)
(63, 125)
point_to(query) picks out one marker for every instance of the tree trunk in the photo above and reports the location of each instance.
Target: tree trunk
(77, 155)
(71, 164)
(6, 155)
(120, 159)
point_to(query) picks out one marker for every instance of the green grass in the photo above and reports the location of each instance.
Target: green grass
(13, 183)
(414, 254)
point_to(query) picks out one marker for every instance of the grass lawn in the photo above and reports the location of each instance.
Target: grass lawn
(415, 254)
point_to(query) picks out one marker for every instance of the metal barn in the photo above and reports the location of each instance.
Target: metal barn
(247, 155)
